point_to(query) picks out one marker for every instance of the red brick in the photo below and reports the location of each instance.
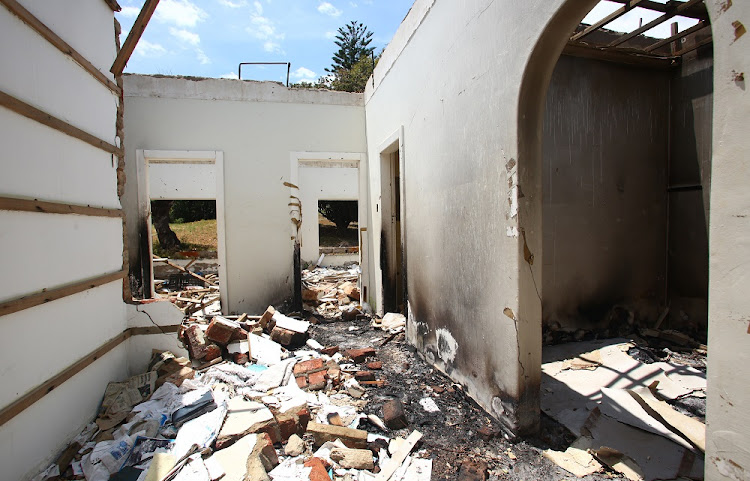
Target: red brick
(364, 376)
(239, 335)
(266, 317)
(308, 366)
(488, 432)
(375, 365)
(220, 330)
(359, 355)
(212, 352)
(240, 358)
(302, 382)
(473, 470)
(286, 337)
(196, 342)
(330, 351)
(319, 471)
(264, 448)
(317, 380)
(394, 415)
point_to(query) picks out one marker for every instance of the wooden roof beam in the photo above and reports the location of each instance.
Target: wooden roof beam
(674, 12)
(697, 11)
(135, 34)
(698, 26)
(612, 16)
(113, 5)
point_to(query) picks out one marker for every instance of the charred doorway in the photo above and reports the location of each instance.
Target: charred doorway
(392, 257)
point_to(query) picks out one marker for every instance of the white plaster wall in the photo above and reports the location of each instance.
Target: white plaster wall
(728, 419)
(151, 314)
(256, 125)
(182, 181)
(317, 183)
(45, 251)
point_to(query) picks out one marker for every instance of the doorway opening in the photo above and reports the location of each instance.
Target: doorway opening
(617, 175)
(392, 257)
(338, 231)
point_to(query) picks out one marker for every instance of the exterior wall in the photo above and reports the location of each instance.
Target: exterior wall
(728, 420)
(256, 126)
(605, 149)
(318, 183)
(47, 251)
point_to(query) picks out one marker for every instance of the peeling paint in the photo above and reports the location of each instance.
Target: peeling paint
(511, 231)
(509, 312)
(724, 6)
(739, 29)
(446, 345)
(729, 469)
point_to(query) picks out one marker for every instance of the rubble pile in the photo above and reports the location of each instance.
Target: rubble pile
(193, 293)
(257, 399)
(332, 293)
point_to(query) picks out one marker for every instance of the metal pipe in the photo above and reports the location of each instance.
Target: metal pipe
(288, 68)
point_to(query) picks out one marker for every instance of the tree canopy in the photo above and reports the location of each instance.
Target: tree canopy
(353, 40)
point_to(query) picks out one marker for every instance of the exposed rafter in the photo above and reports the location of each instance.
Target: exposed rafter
(135, 34)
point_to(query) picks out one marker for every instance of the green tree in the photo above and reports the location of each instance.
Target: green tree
(355, 79)
(340, 212)
(353, 40)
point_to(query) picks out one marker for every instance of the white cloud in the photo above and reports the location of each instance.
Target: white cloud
(185, 36)
(328, 9)
(130, 11)
(230, 75)
(231, 4)
(202, 57)
(182, 13)
(264, 30)
(303, 73)
(148, 49)
(330, 35)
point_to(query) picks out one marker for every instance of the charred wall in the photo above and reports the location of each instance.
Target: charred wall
(605, 151)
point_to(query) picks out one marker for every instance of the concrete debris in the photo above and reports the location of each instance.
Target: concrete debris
(332, 293)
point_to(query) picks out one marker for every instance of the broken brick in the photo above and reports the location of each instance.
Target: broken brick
(221, 330)
(322, 433)
(317, 381)
(285, 337)
(239, 335)
(240, 358)
(394, 415)
(212, 352)
(301, 382)
(319, 472)
(330, 351)
(364, 376)
(293, 421)
(375, 365)
(265, 451)
(488, 432)
(266, 317)
(473, 470)
(359, 355)
(196, 342)
(305, 367)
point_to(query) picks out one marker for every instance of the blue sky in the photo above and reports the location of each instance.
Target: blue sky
(208, 38)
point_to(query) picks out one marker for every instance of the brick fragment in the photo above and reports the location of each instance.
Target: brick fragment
(359, 355)
(239, 335)
(240, 358)
(317, 380)
(293, 421)
(196, 342)
(322, 433)
(364, 376)
(394, 415)
(266, 317)
(285, 337)
(301, 381)
(265, 451)
(352, 291)
(212, 352)
(375, 365)
(319, 471)
(306, 367)
(221, 330)
(330, 351)
(473, 470)
(488, 432)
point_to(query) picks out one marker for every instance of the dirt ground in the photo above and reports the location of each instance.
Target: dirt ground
(450, 436)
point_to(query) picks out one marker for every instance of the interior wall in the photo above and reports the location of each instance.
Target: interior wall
(322, 183)
(605, 147)
(257, 125)
(47, 251)
(690, 187)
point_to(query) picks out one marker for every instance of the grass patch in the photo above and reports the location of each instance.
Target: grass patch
(195, 236)
(329, 236)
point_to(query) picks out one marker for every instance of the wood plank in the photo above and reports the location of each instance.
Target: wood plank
(29, 19)
(695, 46)
(149, 330)
(669, 14)
(612, 16)
(113, 5)
(697, 11)
(135, 34)
(20, 404)
(399, 457)
(182, 269)
(29, 205)
(677, 36)
(48, 295)
(33, 113)
(620, 56)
